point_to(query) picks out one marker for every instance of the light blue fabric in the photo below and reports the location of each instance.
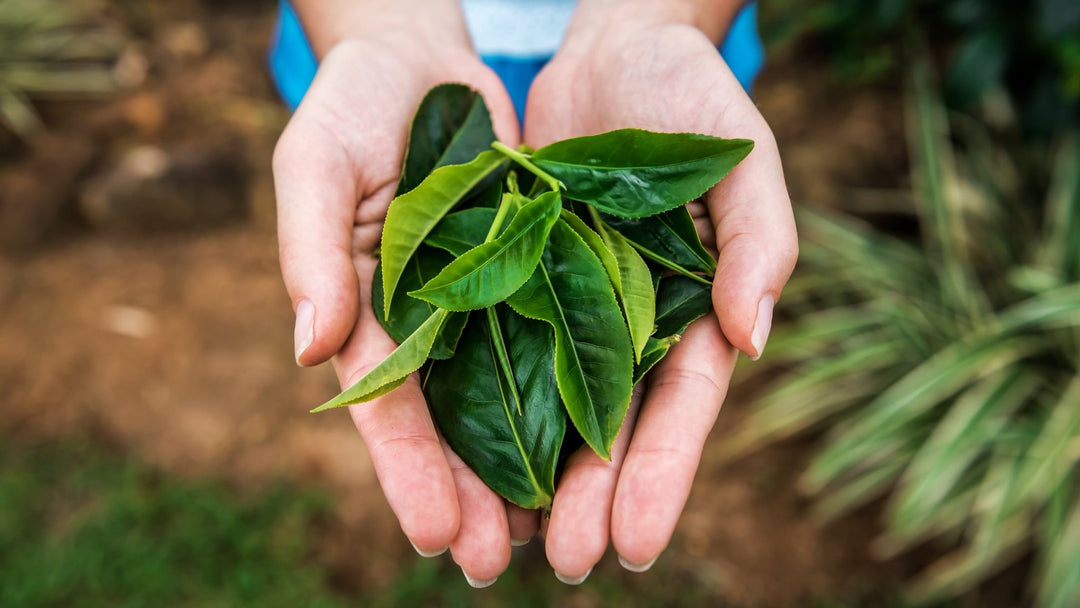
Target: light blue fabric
(293, 64)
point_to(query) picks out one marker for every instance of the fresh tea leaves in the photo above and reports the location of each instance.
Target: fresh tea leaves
(529, 283)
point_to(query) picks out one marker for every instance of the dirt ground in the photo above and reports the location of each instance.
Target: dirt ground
(176, 343)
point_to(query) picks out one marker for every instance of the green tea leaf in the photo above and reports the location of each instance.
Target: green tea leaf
(593, 240)
(490, 272)
(407, 313)
(593, 353)
(515, 454)
(634, 173)
(451, 127)
(679, 302)
(461, 231)
(412, 215)
(669, 239)
(395, 368)
(636, 293)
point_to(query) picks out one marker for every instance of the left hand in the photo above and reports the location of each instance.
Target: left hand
(652, 69)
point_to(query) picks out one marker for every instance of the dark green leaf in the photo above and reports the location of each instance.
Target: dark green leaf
(514, 454)
(407, 313)
(461, 231)
(412, 215)
(489, 273)
(593, 354)
(394, 369)
(669, 239)
(635, 173)
(451, 127)
(679, 302)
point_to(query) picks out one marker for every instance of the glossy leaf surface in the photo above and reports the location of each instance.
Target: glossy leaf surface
(515, 454)
(669, 239)
(492, 271)
(593, 354)
(451, 127)
(412, 215)
(407, 313)
(395, 368)
(633, 173)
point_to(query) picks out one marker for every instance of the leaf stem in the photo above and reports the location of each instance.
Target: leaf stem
(502, 356)
(523, 160)
(500, 217)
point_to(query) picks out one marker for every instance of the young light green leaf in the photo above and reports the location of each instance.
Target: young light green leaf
(593, 353)
(412, 215)
(634, 173)
(490, 272)
(515, 454)
(408, 313)
(395, 368)
(593, 240)
(637, 295)
(669, 239)
(655, 350)
(451, 127)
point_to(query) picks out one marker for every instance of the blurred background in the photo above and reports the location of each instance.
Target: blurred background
(911, 437)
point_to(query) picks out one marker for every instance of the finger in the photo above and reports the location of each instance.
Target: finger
(316, 200)
(683, 398)
(524, 524)
(576, 535)
(482, 545)
(400, 436)
(755, 235)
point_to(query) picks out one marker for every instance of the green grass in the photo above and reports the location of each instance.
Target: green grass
(83, 527)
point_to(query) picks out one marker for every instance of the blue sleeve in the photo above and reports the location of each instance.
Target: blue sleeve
(293, 64)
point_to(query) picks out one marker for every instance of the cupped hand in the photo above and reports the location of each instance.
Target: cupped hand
(336, 168)
(666, 77)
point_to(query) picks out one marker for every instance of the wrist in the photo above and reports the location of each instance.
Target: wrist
(429, 23)
(597, 19)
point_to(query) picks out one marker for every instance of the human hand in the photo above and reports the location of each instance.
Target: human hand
(650, 65)
(336, 168)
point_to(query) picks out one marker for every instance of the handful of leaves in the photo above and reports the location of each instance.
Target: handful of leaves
(541, 285)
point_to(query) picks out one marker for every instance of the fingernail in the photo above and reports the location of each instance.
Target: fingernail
(570, 580)
(304, 333)
(518, 542)
(762, 325)
(475, 584)
(423, 553)
(632, 567)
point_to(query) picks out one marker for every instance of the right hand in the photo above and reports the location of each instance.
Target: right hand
(336, 167)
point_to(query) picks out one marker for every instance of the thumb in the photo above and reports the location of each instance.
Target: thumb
(758, 245)
(316, 211)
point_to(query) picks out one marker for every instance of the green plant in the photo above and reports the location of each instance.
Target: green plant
(50, 48)
(83, 527)
(944, 377)
(1016, 58)
(525, 275)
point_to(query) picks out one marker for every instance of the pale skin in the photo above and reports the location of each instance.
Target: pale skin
(336, 166)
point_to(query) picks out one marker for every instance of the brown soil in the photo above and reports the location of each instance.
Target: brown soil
(177, 344)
